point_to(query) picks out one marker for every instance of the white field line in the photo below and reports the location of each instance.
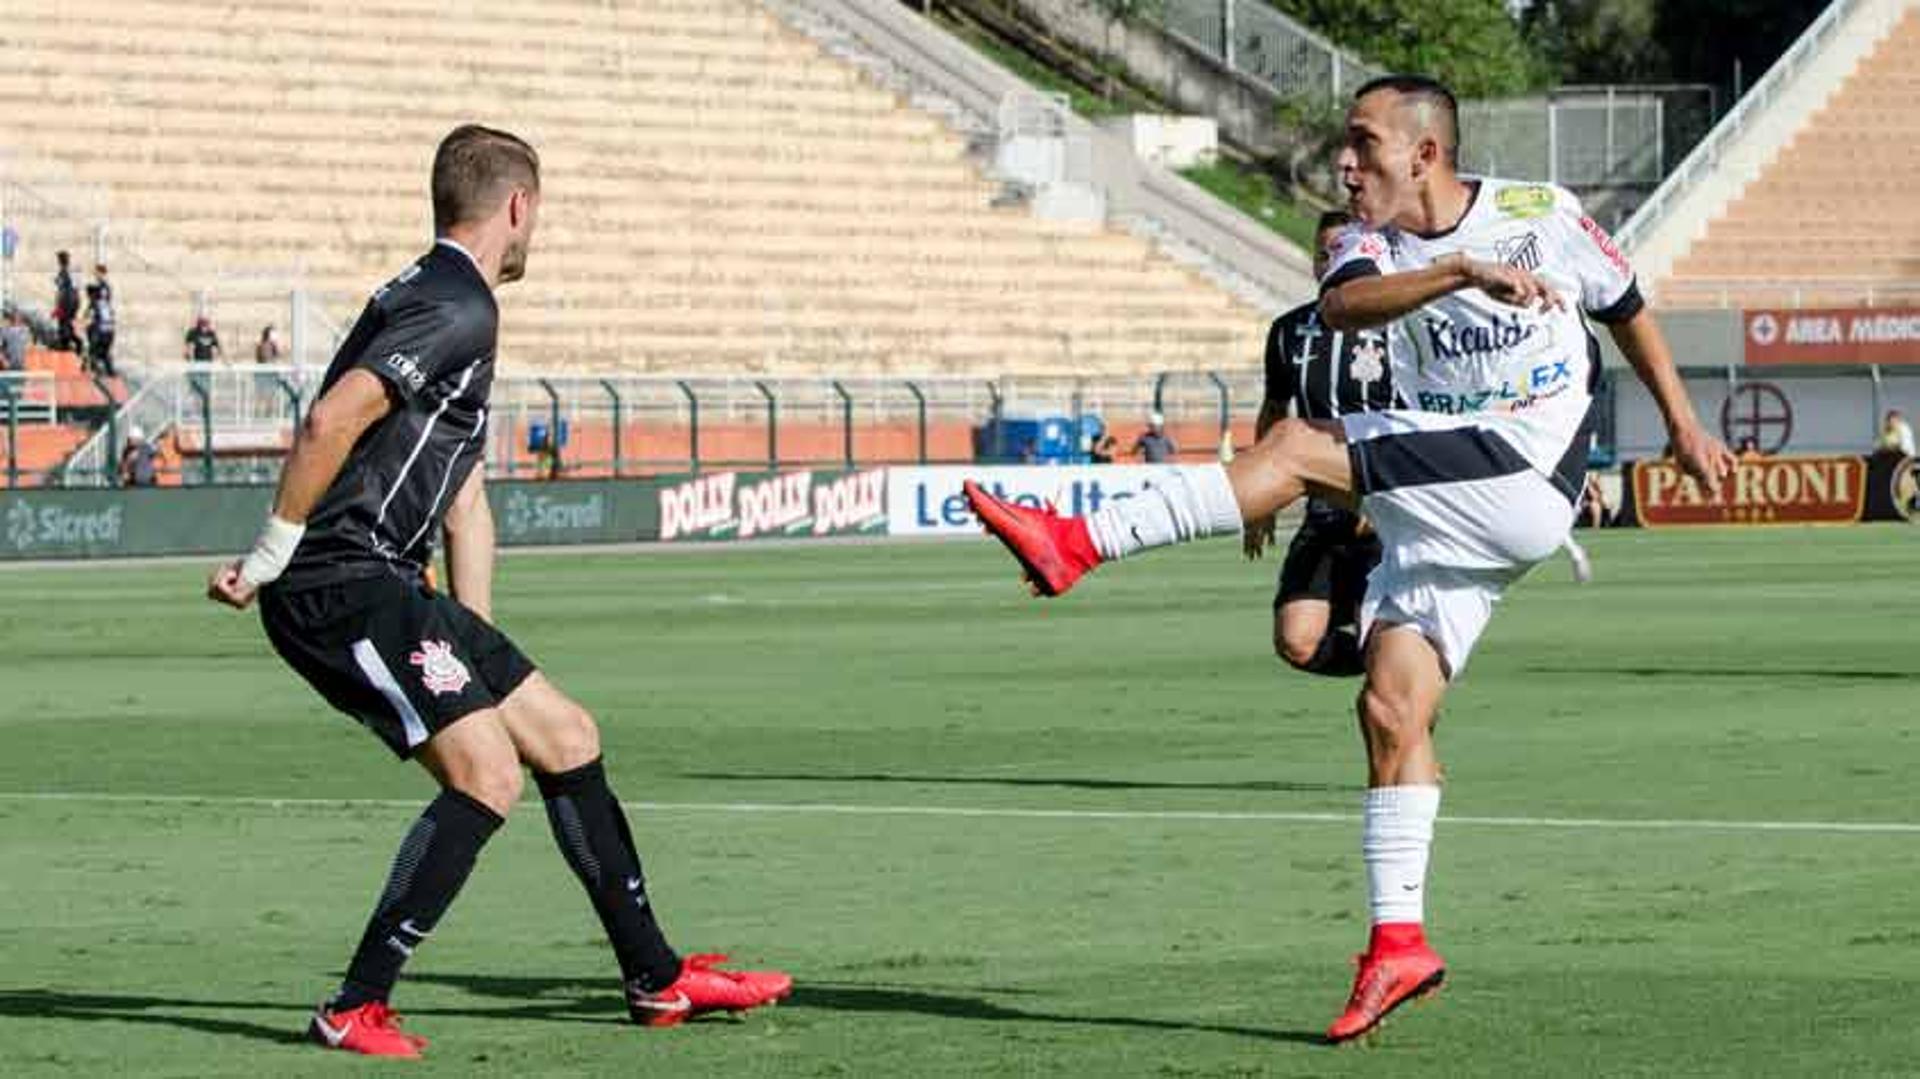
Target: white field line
(1169, 815)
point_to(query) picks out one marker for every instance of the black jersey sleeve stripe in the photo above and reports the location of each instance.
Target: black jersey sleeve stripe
(1628, 305)
(1419, 458)
(1352, 271)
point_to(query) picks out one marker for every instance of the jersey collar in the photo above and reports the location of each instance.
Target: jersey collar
(443, 241)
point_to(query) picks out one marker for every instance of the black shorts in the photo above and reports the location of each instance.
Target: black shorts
(400, 658)
(1327, 561)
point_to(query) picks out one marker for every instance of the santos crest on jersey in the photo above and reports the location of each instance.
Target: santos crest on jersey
(1465, 352)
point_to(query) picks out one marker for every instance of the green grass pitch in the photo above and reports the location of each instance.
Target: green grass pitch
(1174, 889)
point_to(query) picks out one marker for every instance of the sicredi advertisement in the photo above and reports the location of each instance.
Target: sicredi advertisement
(927, 501)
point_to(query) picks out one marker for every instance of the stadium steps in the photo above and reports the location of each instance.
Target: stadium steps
(1811, 200)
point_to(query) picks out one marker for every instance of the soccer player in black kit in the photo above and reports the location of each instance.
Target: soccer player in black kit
(387, 457)
(1320, 374)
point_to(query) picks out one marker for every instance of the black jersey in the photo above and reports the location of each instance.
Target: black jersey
(1323, 374)
(430, 335)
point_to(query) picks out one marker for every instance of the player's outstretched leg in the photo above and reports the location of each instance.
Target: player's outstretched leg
(1405, 681)
(480, 779)
(1186, 503)
(561, 742)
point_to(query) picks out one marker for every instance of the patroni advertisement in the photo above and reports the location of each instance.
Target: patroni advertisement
(1761, 491)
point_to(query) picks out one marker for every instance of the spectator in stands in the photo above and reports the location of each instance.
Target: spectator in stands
(66, 305)
(202, 343)
(1104, 449)
(1896, 436)
(138, 460)
(14, 339)
(267, 349)
(100, 323)
(1153, 444)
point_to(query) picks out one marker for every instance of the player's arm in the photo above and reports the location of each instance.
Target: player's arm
(320, 448)
(1365, 300)
(469, 531)
(1704, 457)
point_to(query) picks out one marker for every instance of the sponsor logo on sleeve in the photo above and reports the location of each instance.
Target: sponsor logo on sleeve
(1606, 245)
(407, 368)
(1533, 200)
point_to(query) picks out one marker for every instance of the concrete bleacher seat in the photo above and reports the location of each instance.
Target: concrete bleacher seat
(1831, 220)
(720, 193)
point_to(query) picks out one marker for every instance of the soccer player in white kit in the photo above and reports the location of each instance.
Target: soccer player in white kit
(1481, 284)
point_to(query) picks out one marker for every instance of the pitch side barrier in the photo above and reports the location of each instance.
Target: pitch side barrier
(45, 523)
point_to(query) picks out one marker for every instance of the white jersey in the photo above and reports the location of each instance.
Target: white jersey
(1465, 353)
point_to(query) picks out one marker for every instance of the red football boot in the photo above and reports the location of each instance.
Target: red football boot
(1054, 551)
(1388, 977)
(372, 1029)
(703, 987)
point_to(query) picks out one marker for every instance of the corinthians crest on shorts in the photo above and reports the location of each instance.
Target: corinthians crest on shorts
(440, 670)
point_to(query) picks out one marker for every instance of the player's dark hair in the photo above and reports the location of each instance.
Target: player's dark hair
(1333, 219)
(1431, 92)
(473, 170)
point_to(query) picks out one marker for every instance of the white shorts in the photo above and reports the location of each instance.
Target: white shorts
(1461, 516)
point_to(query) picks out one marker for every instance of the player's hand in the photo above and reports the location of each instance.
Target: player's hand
(1512, 285)
(1362, 528)
(1701, 455)
(1257, 537)
(226, 586)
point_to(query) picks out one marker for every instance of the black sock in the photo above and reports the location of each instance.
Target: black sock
(591, 829)
(1338, 655)
(434, 861)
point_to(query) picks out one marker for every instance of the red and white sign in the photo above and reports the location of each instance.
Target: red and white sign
(1834, 335)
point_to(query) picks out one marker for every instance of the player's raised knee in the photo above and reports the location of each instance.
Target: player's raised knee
(1297, 649)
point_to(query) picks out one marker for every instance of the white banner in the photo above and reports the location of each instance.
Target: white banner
(928, 502)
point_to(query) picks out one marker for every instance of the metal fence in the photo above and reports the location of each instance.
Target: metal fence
(1586, 137)
(1252, 38)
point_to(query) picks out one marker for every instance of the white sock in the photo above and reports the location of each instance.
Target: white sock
(1185, 502)
(1398, 834)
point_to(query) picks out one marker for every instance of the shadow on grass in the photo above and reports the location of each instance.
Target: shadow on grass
(579, 1000)
(159, 1011)
(576, 995)
(1071, 783)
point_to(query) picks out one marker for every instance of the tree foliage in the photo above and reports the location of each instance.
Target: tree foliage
(1474, 46)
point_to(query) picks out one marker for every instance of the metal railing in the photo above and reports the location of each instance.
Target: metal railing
(1705, 157)
(1254, 39)
(232, 423)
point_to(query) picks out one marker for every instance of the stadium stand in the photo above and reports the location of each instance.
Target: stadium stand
(1805, 198)
(723, 196)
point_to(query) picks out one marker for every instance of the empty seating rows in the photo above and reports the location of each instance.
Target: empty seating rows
(1832, 219)
(720, 192)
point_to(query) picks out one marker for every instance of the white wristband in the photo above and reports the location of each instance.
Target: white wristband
(271, 552)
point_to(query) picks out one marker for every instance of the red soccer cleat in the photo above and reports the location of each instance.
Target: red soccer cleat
(1054, 551)
(702, 987)
(1386, 980)
(372, 1029)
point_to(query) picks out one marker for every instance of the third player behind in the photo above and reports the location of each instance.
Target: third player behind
(1318, 373)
